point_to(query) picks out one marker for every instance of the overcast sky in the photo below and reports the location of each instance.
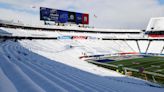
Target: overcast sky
(131, 14)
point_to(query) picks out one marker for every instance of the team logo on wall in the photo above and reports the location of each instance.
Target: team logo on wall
(78, 18)
(71, 17)
(63, 16)
(85, 19)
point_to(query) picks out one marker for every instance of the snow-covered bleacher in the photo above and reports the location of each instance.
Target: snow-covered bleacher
(156, 47)
(43, 66)
(96, 46)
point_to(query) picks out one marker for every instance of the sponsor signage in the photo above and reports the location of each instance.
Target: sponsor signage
(79, 37)
(63, 16)
(72, 17)
(85, 19)
(156, 35)
(64, 37)
(48, 14)
(93, 38)
(79, 18)
(44, 13)
(76, 37)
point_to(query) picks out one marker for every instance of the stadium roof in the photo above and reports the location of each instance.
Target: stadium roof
(156, 24)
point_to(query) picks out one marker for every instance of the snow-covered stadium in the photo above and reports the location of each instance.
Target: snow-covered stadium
(55, 58)
(53, 65)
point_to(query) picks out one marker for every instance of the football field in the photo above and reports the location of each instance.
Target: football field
(151, 64)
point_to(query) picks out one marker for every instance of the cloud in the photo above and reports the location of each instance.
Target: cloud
(110, 13)
(19, 16)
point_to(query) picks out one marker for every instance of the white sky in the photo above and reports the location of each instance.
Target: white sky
(132, 14)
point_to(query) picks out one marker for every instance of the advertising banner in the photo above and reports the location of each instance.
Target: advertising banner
(48, 14)
(79, 37)
(92, 38)
(63, 16)
(54, 15)
(64, 37)
(44, 14)
(79, 18)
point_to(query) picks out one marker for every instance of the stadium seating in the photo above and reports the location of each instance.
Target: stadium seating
(95, 46)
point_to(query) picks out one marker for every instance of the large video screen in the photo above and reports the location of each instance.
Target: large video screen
(61, 16)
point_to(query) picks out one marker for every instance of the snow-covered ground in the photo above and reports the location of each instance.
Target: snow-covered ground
(51, 66)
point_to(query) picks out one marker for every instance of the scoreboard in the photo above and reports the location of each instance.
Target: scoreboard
(62, 16)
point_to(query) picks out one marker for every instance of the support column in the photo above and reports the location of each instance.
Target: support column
(138, 46)
(162, 50)
(148, 46)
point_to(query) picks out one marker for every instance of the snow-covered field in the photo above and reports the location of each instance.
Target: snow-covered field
(51, 66)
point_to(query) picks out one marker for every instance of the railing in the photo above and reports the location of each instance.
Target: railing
(25, 37)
